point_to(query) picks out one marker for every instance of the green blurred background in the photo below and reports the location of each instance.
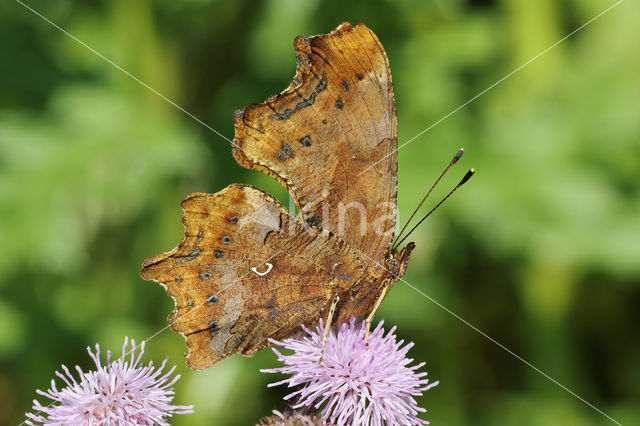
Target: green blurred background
(541, 250)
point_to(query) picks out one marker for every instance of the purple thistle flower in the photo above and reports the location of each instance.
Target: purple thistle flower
(119, 393)
(353, 380)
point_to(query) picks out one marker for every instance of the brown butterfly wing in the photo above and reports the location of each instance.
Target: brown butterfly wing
(245, 271)
(331, 138)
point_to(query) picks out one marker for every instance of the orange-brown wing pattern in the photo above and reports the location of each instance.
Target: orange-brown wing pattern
(331, 138)
(245, 271)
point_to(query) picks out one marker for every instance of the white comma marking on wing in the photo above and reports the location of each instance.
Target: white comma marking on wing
(262, 274)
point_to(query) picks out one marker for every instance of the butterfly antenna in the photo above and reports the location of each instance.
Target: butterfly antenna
(453, 161)
(462, 182)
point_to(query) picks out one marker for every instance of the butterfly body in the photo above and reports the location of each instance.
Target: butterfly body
(359, 299)
(248, 269)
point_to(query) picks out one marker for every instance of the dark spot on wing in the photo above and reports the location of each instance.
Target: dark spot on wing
(345, 84)
(306, 140)
(339, 103)
(283, 115)
(211, 299)
(322, 84)
(359, 76)
(205, 275)
(226, 239)
(305, 102)
(194, 252)
(219, 254)
(285, 153)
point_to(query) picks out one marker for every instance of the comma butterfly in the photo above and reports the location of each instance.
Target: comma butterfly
(247, 269)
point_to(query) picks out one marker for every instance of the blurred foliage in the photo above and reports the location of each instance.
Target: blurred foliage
(541, 251)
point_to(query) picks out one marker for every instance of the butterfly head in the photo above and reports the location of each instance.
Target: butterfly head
(396, 261)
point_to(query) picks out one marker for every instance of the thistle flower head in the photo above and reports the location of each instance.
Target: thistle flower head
(121, 392)
(351, 380)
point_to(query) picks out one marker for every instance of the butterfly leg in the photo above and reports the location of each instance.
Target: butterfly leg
(332, 311)
(385, 288)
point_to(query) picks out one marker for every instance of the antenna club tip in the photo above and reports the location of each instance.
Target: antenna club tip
(457, 156)
(467, 177)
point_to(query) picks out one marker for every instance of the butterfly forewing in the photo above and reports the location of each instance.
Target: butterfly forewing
(331, 138)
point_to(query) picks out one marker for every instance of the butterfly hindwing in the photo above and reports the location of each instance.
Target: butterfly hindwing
(247, 270)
